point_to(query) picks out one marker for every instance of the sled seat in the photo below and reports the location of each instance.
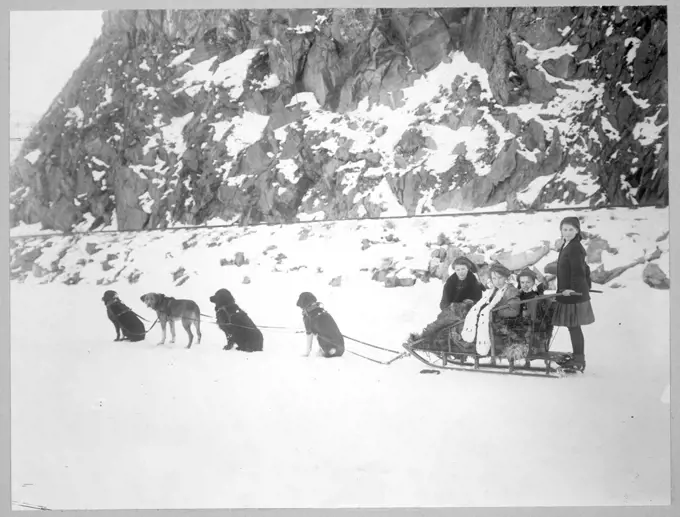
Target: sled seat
(519, 336)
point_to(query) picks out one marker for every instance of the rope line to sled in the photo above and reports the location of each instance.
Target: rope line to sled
(299, 331)
(368, 344)
(146, 331)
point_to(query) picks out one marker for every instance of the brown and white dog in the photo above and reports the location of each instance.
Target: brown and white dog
(170, 309)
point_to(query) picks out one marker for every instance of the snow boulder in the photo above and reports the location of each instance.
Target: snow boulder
(387, 268)
(654, 277)
(595, 248)
(421, 274)
(551, 268)
(406, 277)
(38, 271)
(391, 280)
(653, 255)
(518, 261)
(439, 253)
(600, 275)
(402, 278)
(663, 236)
(26, 259)
(91, 248)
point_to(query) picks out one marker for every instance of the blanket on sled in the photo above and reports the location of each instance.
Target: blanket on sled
(511, 337)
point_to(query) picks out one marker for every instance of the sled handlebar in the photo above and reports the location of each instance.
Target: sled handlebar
(514, 303)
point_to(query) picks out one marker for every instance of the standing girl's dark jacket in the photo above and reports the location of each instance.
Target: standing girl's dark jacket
(457, 290)
(572, 273)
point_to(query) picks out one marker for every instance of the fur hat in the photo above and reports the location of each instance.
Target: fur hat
(222, 298)
(464, 261)
(500, 269)
(305, 300)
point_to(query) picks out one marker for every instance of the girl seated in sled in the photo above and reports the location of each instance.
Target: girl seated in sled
(461, 291)
(536, 315)
(463, 286)
(472, 325)
(492, 315)
(530, 288)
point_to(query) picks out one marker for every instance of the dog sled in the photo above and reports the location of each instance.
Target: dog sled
(519, 345)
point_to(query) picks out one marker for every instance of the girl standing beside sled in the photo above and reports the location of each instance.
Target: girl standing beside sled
(573, 311)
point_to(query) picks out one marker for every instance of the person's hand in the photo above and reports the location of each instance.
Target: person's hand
(525, 313)
(567, 292)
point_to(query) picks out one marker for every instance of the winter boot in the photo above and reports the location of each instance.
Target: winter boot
(576, 362)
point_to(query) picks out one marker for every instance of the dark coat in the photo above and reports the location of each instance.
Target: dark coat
(572, 272)
(537, 311)
(456, 291)
(320, 323)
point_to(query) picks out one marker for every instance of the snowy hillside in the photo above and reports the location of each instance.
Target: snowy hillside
(104, 425)
(312, 114)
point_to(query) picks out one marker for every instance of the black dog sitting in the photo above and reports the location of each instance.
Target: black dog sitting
(236, 324)
(318, 322)
(123, 318)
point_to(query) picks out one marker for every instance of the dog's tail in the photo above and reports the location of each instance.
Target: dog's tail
(196, 318)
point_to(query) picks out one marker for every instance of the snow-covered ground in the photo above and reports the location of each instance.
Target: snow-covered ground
(98, 424)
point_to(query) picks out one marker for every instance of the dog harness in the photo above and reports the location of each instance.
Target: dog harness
(114, 300)
(313, 311)
(313, 307)
(229, 315)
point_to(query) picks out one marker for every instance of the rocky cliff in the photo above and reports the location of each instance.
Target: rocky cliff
(196, 117)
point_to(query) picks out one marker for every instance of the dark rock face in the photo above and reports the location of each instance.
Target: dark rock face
(185, 116)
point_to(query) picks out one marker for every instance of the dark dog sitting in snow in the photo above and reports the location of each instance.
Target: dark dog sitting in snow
(123, 319)
(236, 324)
(318, 322)
(169, 309)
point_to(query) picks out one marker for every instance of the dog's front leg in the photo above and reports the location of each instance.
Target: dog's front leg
(172, 330)
(162, 342)
(230, 342)
(117, 326)
(310, 338)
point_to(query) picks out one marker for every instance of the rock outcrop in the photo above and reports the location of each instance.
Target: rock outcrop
(240, 116)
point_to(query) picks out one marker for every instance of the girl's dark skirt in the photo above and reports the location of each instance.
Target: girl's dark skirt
(573, 314)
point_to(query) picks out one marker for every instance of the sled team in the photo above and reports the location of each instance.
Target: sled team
(237, 326)
(483, 309)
